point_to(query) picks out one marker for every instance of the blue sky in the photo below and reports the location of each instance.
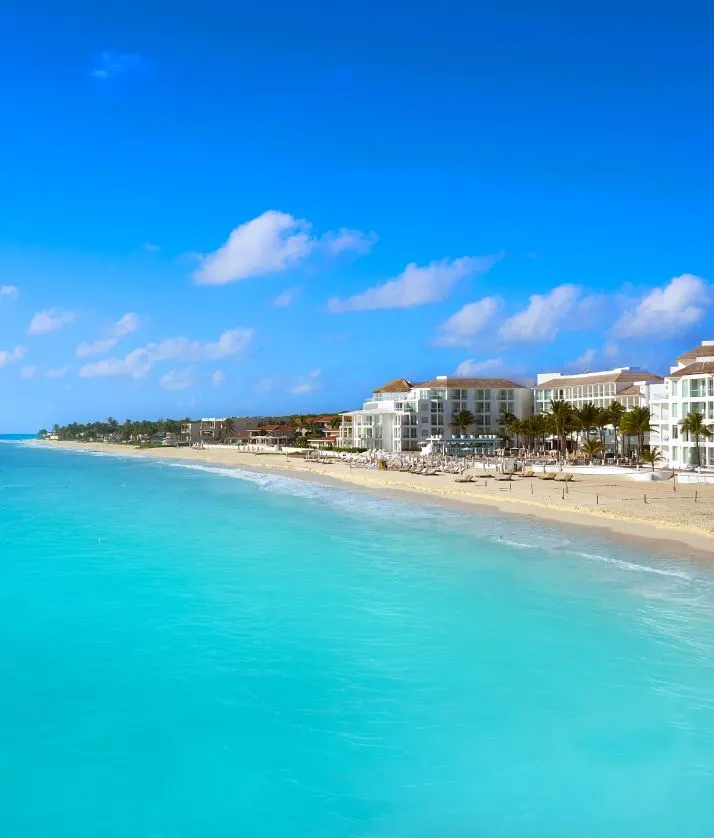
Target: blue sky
(241, 208)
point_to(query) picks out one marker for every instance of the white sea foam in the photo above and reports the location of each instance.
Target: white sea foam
(342, 498)
(638, 568)
(539, 537)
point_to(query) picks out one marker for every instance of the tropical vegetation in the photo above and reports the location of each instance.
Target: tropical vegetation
(582, 428)
(694, 426)
(652, 456)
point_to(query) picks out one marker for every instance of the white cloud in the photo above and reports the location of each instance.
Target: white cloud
(666, 310)
(461, 328)
(126, 324)
(543, 316)
(353, 240)
(177, 379)
(287, 298)
(310, 384)
(50, 320)
(218, 378)
(472, 367)
(150, 247)
(11, 356)
(273, 242)
(60, 372)
(9, 291)
(264, 386)
(138, 362)
(583, 362)
(111, 64)
(416, 285)
(28, 372)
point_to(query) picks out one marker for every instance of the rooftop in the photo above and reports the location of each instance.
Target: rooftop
(697, 368)
(403, 385)
(622, 375)
(705, 348)
(398, 385)
(634, 390)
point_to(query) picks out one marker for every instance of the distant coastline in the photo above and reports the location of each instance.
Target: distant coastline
(652, 512)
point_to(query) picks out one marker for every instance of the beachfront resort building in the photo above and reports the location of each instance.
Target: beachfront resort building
(630, 386)
(407, 416)
(689, 387)
(202, 430)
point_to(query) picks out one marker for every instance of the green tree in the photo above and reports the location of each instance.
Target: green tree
(695, 427)
(462, 420)
(514, 426)
(592, 447)
(636, 422)
(652, 456)
(615, 413)
(561, 423)
(336, 423)
(229, 427)
(586, 417)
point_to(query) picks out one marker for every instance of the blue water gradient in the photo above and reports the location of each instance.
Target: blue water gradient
(196, 651)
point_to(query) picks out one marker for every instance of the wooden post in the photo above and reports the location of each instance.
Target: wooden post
(563, 497)
(531, 488)
(645, 498)
(597, 500)
(696, 495)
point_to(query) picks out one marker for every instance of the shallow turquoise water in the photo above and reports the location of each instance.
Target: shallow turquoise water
(195, 652)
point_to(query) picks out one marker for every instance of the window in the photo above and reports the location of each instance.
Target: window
(675, 410)
(675, 452)
(673, 388)
(685, 388)
(697, 387)
(675, 431)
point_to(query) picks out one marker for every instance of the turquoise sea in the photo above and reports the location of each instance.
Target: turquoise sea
(193, 651)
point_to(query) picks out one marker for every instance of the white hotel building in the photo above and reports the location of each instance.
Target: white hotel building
(689, 387)
(406, 416)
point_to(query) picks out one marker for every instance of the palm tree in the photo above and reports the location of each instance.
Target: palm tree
(604, 418)
(586, 417)
(652, 456)
(462, 420)
(229, 427)
(539, 424)
(693, 425)
(636, 422)
(592, 447)
(616, 411)
(336, 423)
(561, 423)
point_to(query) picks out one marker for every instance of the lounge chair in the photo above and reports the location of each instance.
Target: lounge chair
(527, 472)
(549, 475)
(507, 476)
(563, 477)
(466, 479)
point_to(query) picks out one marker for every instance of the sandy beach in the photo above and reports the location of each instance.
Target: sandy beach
(681, 516)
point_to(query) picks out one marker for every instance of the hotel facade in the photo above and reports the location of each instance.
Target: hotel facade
(630, 386)
(406, 416)
(689, 387)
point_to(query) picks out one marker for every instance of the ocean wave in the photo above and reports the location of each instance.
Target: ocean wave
(342, 498)
(637, 568)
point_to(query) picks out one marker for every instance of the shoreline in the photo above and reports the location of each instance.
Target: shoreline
(654, 515)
